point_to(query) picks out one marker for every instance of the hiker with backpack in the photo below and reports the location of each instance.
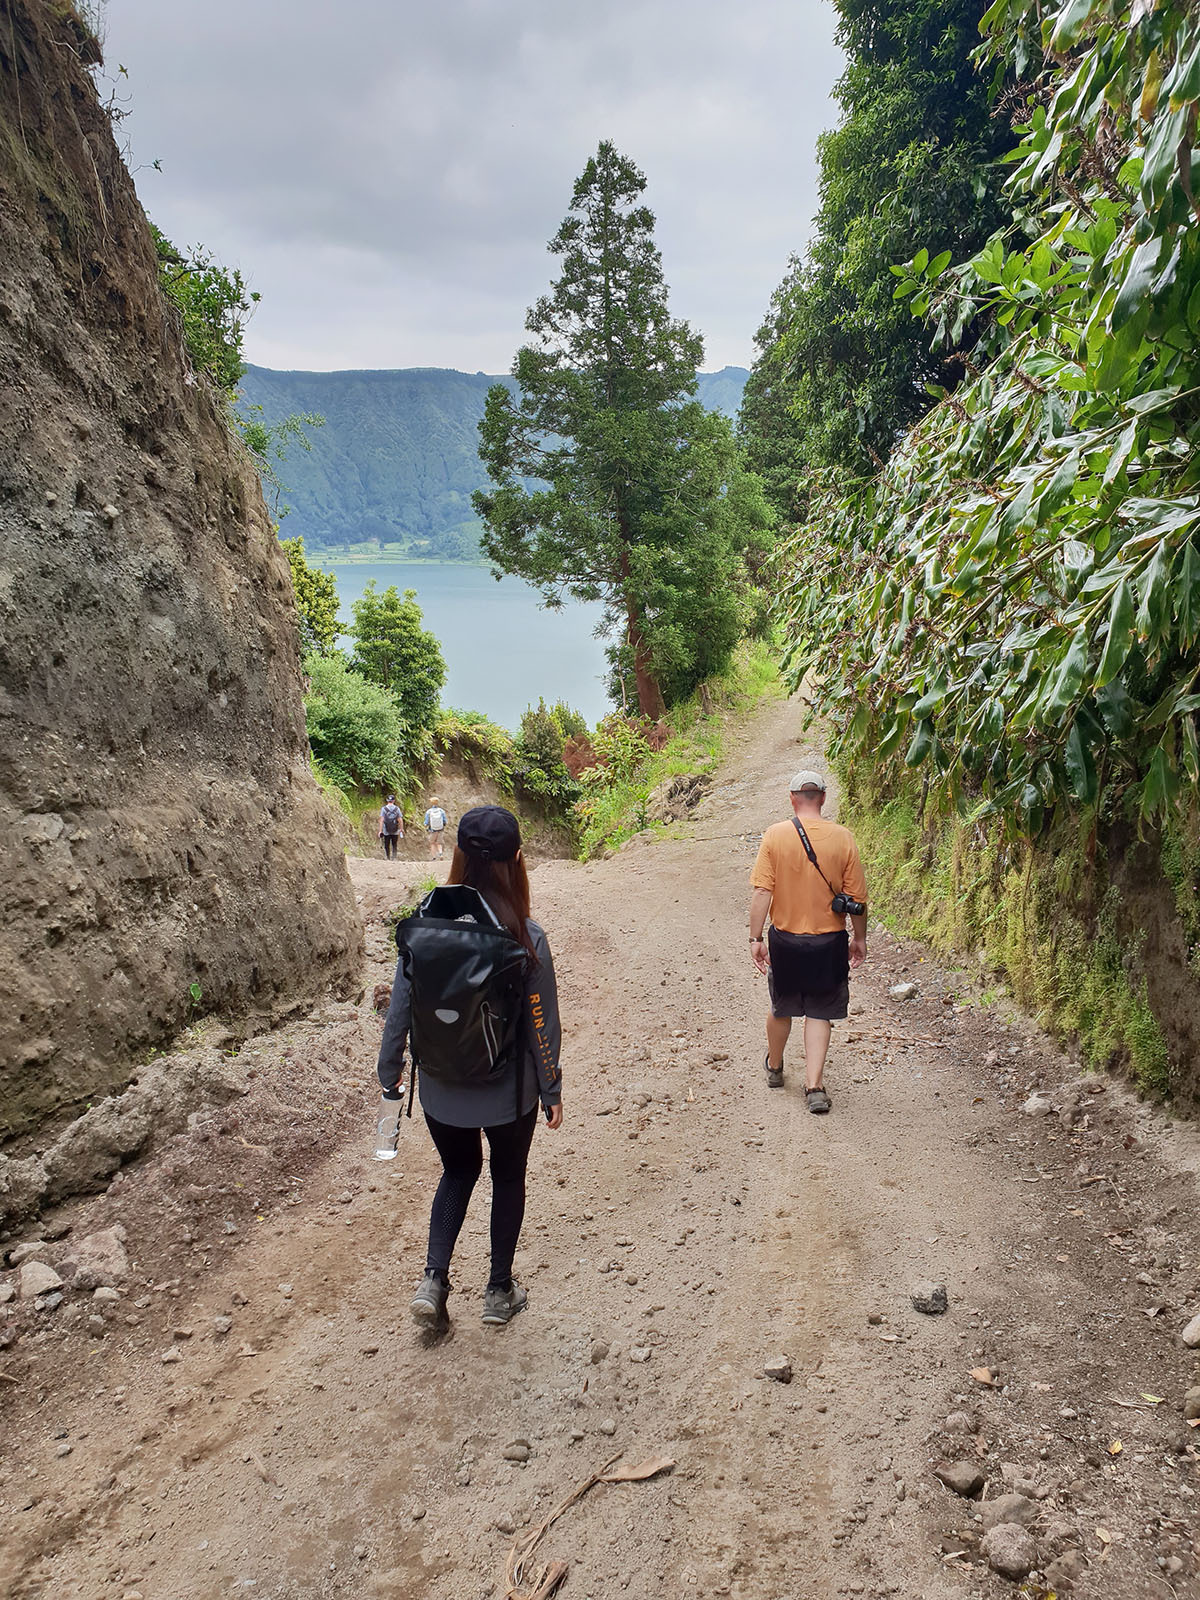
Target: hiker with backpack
(475, 1002)
(391, 827)
(435, 826)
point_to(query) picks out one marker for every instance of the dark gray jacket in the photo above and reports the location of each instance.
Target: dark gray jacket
(487, 1105)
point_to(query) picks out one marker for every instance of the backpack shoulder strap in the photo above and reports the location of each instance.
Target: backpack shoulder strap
(810, 852)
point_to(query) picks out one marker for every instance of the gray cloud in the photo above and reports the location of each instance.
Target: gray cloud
(387, 175)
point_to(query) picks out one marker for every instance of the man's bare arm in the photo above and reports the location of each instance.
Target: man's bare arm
(760, 904)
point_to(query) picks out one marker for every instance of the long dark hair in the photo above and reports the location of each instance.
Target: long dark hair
(505, 887)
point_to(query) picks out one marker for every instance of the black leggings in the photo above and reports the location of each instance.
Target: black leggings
(391, 845)
(461, 1150)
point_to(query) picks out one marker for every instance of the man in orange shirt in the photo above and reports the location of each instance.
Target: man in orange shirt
(809, 877)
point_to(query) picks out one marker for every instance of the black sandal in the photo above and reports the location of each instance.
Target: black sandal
(818, 1101)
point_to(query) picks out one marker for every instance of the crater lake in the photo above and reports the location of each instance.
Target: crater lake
(502, 648)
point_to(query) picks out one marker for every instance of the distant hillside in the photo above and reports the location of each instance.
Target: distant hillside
(396, 462)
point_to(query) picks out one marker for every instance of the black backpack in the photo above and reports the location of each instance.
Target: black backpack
(391, 819)
(466, 976)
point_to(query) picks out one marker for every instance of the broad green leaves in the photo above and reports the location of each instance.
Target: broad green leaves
(1017, 600)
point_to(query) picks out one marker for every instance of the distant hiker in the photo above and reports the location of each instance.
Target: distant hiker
(809, 877)
(391, 827)
(435, 826)
(476, 1000)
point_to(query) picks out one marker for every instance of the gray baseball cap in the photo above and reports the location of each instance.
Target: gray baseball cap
(806, 779)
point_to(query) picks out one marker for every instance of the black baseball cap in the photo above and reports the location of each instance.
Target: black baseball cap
(489, 832)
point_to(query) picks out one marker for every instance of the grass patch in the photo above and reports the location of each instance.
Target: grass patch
(1027, 912)
(614, 805)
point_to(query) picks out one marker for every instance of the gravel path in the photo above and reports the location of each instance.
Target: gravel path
(686, 1228)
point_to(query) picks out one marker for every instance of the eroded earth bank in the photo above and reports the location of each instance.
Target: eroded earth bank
(230, 1399)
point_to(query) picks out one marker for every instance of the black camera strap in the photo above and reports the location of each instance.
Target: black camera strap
(811, 853)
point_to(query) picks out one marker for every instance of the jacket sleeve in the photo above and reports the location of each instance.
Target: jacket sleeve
(545, 1028)
(395, 1034)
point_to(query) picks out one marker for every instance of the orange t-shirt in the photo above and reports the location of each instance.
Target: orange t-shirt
(799, 895)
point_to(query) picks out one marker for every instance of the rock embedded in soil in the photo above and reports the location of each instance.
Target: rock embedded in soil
(903, 991)
(37, 1279)
(518, 1450)
(1009, 1508)
(25, 1251)
(1037, 1106)
(778, 1369)
(929, 1297)
(1065, 1571)
(963, 1477)
(98, 1261)
(1191, 1334)
(1009, 1550)
(1191, 1404)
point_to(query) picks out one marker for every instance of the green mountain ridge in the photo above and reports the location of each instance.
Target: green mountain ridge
(396, 463)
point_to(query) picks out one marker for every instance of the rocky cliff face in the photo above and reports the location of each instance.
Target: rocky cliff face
(159, 827)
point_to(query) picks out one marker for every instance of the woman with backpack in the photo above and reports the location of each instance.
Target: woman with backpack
(463, 1099)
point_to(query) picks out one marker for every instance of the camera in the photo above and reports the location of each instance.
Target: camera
(843, 906)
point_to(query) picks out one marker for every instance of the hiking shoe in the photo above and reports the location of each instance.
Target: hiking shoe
(774, 1074)
(501, 1305)
(428, 1305)
(818, 1101)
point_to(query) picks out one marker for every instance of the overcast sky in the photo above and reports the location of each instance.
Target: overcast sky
(387, 173)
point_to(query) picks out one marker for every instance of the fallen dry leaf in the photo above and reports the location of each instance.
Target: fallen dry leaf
(638, 1474)
(1154, 1399)
(1115, 1448)
(1104, 1536)
(983, 1375)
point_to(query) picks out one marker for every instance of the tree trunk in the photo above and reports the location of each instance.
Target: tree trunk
(650, 700)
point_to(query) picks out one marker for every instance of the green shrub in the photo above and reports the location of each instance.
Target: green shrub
(354, 727)
(539, 769)
(479, 740)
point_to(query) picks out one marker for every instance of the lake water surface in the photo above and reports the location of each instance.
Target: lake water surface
(502, 648)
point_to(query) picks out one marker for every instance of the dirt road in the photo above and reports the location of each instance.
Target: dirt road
(686, 1226)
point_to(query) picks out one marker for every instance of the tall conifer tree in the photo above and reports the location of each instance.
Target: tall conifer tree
(609, 481)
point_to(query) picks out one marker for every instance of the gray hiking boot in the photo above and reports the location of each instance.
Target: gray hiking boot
(428, 1305)
(774, 1074)
(501, 1305)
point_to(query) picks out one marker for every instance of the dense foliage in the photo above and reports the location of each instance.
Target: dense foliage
(355, 727)
(316, 601)
(842, 369)
(214, 304)
(608, 480)
(392, 649)
(1014, 606)
(397, 461)
(539, 768)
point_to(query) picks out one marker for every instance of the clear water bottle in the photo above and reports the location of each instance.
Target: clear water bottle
(387, 1129)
